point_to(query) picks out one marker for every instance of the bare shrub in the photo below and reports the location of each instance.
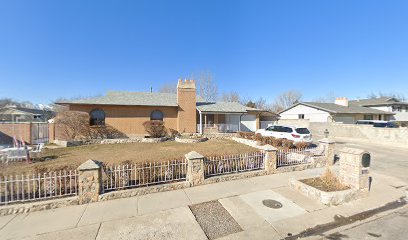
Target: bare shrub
(173, 133)
(155, 128)
(73, 124)
(302, 145)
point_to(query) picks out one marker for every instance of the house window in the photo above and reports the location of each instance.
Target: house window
(368, 117)
(97, 117)
(301, 116)
(156, 115)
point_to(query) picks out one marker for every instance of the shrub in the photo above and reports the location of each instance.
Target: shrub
(277, 142)
(155, 128)
(287, 143)
(173, 133)
(302, 145)
(258, 137)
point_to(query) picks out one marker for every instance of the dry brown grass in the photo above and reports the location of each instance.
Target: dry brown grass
(328, 182)
(113, 154)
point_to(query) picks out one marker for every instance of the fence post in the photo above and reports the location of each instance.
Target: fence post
(195, 168)
(271, 159)
(89, 181)
(329, 146)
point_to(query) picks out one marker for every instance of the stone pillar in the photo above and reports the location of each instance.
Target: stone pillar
(270, 159)
(195, 168)
(89, 181)
(354, 168)
(329, 146)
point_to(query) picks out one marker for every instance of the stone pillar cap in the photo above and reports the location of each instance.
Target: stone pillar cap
(269, 148)
(327, 140)
(355, 151)
(193, 155)
(90, 165)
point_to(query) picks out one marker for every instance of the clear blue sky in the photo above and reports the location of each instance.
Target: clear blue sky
(51, 49)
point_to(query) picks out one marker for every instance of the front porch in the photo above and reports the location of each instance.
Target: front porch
(225, 122)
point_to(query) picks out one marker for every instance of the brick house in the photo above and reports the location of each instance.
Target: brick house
(184, 111)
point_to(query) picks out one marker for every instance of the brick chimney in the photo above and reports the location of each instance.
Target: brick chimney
(343, 101)
(186, 99)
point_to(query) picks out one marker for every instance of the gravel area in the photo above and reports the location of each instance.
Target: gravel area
(214, 219)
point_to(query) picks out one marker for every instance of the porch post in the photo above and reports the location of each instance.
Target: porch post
(201, 122)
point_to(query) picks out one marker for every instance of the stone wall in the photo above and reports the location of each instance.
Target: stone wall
(362, 132)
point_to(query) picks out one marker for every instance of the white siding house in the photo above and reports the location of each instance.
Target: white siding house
(340, 111)
(305, 112)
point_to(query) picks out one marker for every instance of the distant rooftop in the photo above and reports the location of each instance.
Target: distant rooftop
(376, 101)
(335, 108)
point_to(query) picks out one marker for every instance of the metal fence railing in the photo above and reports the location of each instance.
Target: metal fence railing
(289, 157)
(220, 165)
(137, 175)
(22, 188)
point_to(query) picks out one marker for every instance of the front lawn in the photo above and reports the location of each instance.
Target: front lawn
(112, 154)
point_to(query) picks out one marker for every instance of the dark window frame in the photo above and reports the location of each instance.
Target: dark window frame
(154, 118)
(97, 121)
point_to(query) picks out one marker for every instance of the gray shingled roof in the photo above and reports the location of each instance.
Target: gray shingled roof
(13, 110)
(376, 101)
(130, 98)
(351, 109)
(229, 107)
(159, 99)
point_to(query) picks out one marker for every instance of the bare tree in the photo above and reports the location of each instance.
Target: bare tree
(286, 99)
(261, 103)
(230, 97)
(207, 87)
(168, 88)
(398, 96)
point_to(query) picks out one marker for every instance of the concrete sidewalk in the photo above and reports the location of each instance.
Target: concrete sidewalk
(166, 215)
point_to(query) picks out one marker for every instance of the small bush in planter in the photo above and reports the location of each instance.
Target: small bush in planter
(277, 142)
(155, 128)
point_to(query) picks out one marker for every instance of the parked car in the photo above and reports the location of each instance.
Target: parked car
(385, 125)
(367, 122)
(287, 132)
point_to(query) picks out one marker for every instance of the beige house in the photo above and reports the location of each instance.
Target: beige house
(183, 111)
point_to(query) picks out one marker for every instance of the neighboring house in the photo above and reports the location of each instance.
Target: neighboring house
(388, 104)
(183, 111)
(19, 114)
(340, 111)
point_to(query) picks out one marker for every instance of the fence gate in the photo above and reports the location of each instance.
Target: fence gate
(39, 133)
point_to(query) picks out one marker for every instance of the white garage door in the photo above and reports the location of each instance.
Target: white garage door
(248, 123)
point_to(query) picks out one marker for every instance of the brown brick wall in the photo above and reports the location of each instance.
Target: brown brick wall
(186, 98)
(19, 130)
(129, 119)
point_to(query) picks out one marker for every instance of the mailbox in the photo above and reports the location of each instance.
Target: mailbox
(355, 168)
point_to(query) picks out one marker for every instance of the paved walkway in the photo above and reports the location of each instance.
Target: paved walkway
(166, 215)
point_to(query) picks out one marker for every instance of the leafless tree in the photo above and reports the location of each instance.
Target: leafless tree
(230, 97)
(398, 96)
(168, 88)
(207, 87)
(285, 100)
(261, 103)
